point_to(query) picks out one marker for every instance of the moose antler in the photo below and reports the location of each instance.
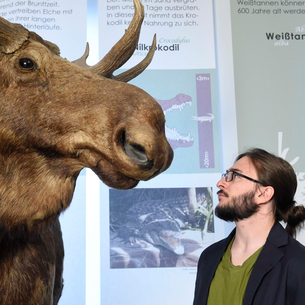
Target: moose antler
(122, 51)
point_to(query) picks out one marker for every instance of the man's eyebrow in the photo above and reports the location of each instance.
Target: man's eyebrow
(235, 170)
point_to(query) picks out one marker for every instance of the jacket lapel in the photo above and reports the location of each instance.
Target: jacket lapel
(211, 263)
(268, 258)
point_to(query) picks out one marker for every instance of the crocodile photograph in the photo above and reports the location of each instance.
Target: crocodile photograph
(160, 227)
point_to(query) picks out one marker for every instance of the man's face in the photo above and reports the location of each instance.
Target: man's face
(237, 197)
(240, 207)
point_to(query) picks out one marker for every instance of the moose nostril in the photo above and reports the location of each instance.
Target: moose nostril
(135, 151)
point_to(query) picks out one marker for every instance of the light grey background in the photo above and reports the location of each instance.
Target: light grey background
(270, 83)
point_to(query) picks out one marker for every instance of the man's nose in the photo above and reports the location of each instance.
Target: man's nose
(221, 184)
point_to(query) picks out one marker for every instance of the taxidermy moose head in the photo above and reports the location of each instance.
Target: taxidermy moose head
(55, 119)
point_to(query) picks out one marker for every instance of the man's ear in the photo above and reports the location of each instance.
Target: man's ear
(265, 194)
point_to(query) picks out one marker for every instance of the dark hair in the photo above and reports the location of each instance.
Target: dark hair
(278, 173)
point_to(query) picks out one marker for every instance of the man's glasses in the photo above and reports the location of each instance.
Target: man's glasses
(229, 176)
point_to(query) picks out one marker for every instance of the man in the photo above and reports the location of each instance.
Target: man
(259, 263)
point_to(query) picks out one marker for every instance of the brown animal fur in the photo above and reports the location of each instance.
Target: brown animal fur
(56, 119)
(31, 268)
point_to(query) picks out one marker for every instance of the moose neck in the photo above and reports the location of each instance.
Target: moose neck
(33, 189)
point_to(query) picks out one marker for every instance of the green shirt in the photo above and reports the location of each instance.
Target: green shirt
(229, 283)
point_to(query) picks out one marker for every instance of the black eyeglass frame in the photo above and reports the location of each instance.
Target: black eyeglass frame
(239, 174)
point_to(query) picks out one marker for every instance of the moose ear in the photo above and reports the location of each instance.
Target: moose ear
(12, 36)
(50, 45)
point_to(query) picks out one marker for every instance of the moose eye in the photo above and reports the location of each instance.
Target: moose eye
(26, 64)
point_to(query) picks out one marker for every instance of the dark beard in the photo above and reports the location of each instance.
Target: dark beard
(241, 207)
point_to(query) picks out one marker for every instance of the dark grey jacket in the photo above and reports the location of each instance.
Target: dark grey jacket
(278, 275)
